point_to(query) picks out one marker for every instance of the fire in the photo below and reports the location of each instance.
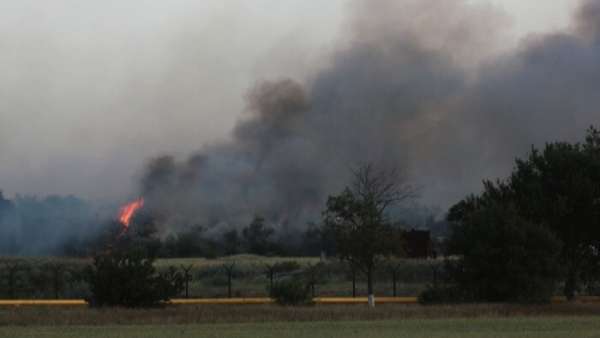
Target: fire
(127, 212)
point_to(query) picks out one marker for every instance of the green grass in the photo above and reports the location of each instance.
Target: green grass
(464, 328)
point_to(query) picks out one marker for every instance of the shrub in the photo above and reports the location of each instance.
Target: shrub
(128, 278)
(291, 291)
(441, 295)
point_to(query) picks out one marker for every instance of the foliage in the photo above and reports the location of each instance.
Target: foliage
(291, 291)
(559, 188)
(257, 236)
(555, 190)
(128, 278)
(357, 218)
(502, 256)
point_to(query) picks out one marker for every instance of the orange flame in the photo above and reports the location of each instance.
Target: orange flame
(127, 212)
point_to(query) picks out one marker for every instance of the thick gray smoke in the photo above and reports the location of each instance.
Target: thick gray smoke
(415, 84)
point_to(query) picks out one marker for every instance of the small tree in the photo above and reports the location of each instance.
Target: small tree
(187, 277)
(314, 274)
(229, 269)
(394, 268)
(128, 278)
(272, 270)
(359, 221)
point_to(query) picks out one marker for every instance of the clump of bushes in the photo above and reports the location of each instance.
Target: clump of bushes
(128, 278)
(441, 294)
(291, 291)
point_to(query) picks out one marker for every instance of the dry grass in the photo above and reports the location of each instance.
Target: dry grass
(46, 316)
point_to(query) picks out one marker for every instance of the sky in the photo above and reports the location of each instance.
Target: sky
(90, 90)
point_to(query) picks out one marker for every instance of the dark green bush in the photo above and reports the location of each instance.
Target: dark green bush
(128, 278)
(441, 295)
(503, 258)
(291, 291)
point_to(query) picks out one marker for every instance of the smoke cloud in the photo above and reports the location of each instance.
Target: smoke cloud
(426, 86)
(418, 84)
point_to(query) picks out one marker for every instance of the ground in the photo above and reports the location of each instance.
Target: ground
(482, 320)
(558, 327)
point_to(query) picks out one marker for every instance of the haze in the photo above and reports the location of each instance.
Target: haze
(91, 90)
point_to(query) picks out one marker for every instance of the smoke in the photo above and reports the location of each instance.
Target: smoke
(421, 85)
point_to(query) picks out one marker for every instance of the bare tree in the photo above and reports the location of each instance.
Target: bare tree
(187, 277)
(229, 268)
(358, 218)
(314, 274)
(394, 269)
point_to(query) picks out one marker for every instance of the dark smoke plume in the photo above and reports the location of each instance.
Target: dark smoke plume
(418, 85)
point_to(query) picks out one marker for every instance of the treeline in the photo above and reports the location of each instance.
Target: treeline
(31, 225)
(257, 238)
(70, 226)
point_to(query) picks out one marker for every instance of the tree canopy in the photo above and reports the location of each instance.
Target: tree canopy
(557, 189)
(358, 218)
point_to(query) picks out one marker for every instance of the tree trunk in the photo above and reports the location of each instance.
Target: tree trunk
(187, 285)
(229, 285)
(370, 287)
(353, 283)
(56, 286)
(570, 285)
(394, 281)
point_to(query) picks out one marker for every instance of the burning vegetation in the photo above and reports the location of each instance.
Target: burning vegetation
(128, 211)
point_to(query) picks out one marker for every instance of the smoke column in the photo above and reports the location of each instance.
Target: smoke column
(415, 84)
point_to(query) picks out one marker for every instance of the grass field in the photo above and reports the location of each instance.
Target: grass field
(547, 327)
(209, 278)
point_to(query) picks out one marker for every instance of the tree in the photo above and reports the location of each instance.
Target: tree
(394, 268)
(501, 256)
(272, 270)
(187, 278)
(257, 236)
(229, 269)
(559, 187)
(358, 219)
(314, 274)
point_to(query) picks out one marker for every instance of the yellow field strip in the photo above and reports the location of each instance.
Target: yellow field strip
(43, 302)
(255, 300)
(214, 301)
(218, 301)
